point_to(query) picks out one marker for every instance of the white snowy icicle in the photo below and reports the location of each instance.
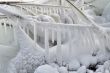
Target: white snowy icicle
(53, 38)
(70, 44)
(59, 50)
(5, 27)
(47, 43)
(35, 33)
(27, 30)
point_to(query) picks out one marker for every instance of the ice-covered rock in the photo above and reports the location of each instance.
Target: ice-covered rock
(62, 70)
(82, 69)
(54, 65)
(74, 65)
(100, 69)
(107, 65)
(87, 60)
(46, 69)
(72, 72)
(102, 57)
(107, 71)
(90, 71)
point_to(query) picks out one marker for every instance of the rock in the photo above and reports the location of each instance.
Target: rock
(100, 69)
(107, 65)
(74, 65)
(90, 71)
(73, 72)
(82, 69)
(107, 71)
(88, 60)
(46, 69)
(62, 70)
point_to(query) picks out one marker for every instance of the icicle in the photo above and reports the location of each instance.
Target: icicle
(44, 10)
(41, 10)
(59, 50)
(57, 10)
(35, 33)
(36, 10)
(70, 44)
(53, 36)
(5, 27)
(50, 11)
(47, 44)
(27, 30)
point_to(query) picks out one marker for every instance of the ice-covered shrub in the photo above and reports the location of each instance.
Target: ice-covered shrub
(28, 60)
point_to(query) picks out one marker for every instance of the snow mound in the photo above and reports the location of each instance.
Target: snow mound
(46, 69)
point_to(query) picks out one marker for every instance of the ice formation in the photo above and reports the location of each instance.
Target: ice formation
(76, 48)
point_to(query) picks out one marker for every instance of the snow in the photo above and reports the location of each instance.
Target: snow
(46, 69)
